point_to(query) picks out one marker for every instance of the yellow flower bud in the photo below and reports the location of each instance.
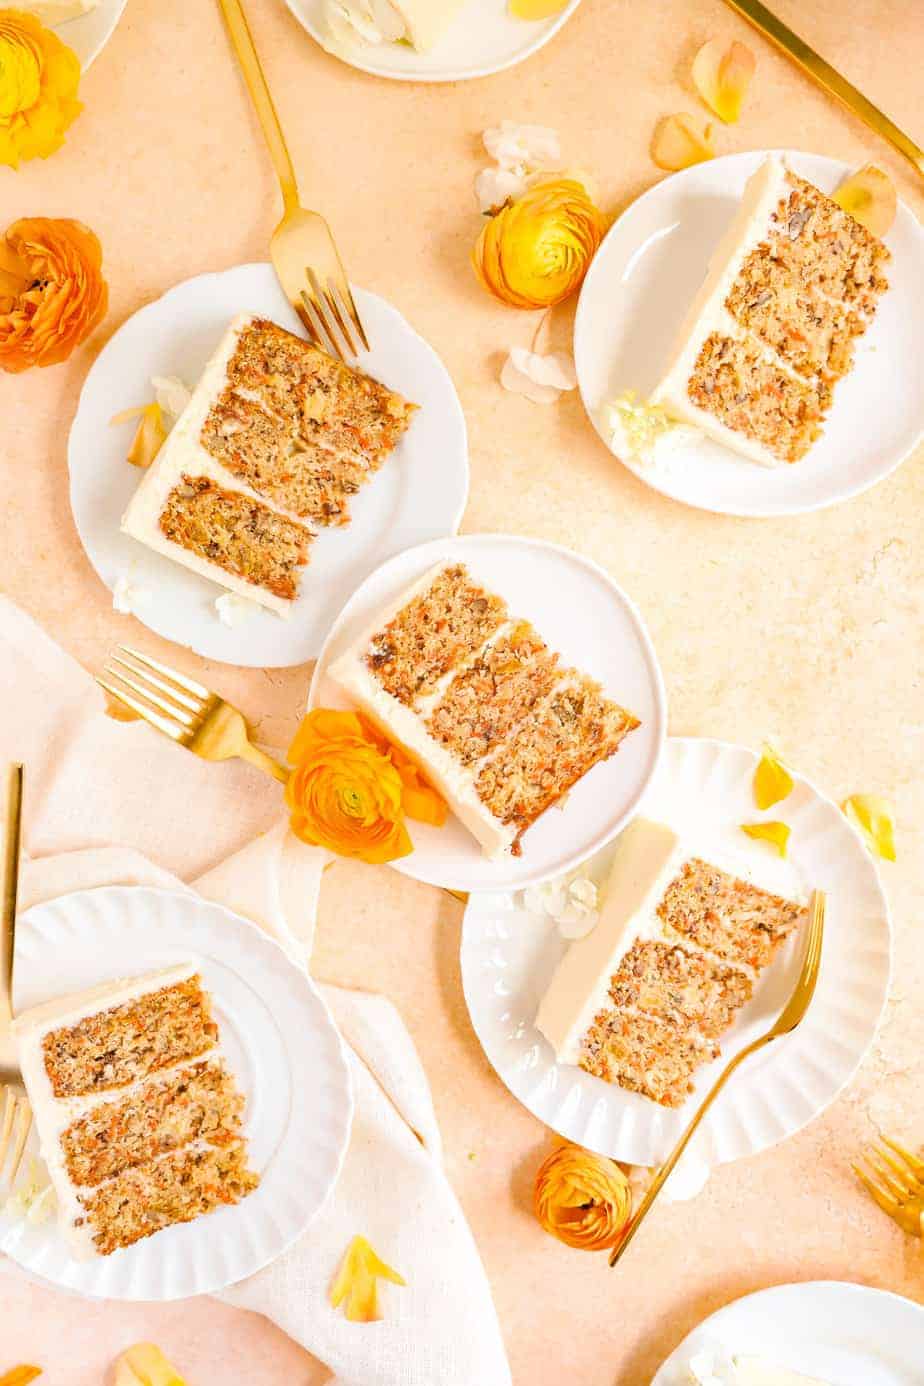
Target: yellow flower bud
(536, 250)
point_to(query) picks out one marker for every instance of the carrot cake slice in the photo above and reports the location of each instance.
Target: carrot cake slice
(791, 286)
(273, 443)
(643, 999)
(139, 1117)
(500, 728)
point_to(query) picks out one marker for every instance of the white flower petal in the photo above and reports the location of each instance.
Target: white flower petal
(540, 378)
(128, 596)
(171, 394)
(366, 20)
(572, 925)
(519, 383)
(233, 610)
(522, 147)
(493, 186)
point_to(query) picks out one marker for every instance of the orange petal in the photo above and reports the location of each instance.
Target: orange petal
(869, 197)
(722, 77)
(20, 1376)
(357, 1279)
(149, 437)
(681, 140)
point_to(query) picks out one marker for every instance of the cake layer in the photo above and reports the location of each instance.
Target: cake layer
(199, 1102)
(574, 729)
(236, 532)
(445, 622)
(645, 1055)
(111, 1048)
(753, 397)
(731, 918)
(680, 986)
(826, 248)
(494, 694)
(173, 1189)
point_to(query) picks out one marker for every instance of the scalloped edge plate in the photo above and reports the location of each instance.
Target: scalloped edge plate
(570, 600)
(419, 494)
(632, 302)
(850, 1334)
(508, 956)
(483, 40)
(282, 1045)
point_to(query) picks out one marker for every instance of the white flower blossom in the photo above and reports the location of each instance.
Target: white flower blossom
(171, 394)
(233, 610)
(522, 148)
(128, 596)
(493, 186)
(570, 900)
(540, 378)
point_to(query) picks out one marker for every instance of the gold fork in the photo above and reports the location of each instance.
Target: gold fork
(897, 1185)
(302, 249)
(791, 1016)
(16, 1119)
(183, 710)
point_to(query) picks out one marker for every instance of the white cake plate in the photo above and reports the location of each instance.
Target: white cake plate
(637, 291)
(702, 788)
(419, 494)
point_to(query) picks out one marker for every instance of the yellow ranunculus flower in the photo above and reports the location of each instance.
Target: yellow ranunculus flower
(349, 789)
(535, 250)
(583, 1199)
(39, 77)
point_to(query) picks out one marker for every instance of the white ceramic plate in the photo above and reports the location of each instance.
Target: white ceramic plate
(579, 610)
(89, 33)
(848, 1335)
(483, 39)
(704, 788)
(634, 298)
(419, 494)
(282, 1046)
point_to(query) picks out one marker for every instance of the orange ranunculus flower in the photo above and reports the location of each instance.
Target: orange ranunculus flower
(536, 250)
(52, 292)
(349, 789)
(39, 77)
(583, 1199)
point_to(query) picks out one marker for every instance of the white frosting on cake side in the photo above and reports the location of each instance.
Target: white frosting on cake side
(648, 857)
(454, 781)
(53, 1115)
(708, 314)
(183, 453)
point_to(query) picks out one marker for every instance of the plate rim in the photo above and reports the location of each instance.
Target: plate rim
(852, 1289)
(117, 11)
(156, 303)
(273, 946)
(886, 989)
(646, 476)
(404, 864)
(450, 74)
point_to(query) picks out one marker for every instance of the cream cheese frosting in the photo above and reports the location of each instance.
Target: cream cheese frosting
(421, 23)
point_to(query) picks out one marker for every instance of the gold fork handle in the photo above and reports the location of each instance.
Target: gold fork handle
(10, 890)
(243, 45)
(248, 751)
(660, 1179)
(827, 76)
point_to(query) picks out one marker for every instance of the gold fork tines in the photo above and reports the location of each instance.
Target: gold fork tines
(896, 1184)
(183, 709)
(303, 251)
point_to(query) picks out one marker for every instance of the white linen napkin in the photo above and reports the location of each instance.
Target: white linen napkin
(92, 779)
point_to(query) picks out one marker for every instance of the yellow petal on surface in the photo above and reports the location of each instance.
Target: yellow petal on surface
(874, 819)
(357, 1282)
(722, 77)
(536, 9)
(772, 781)
(145, 1365)
(680, 141)
(20, 1376)
(149, 435)
(869, 197)
(774, 833)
